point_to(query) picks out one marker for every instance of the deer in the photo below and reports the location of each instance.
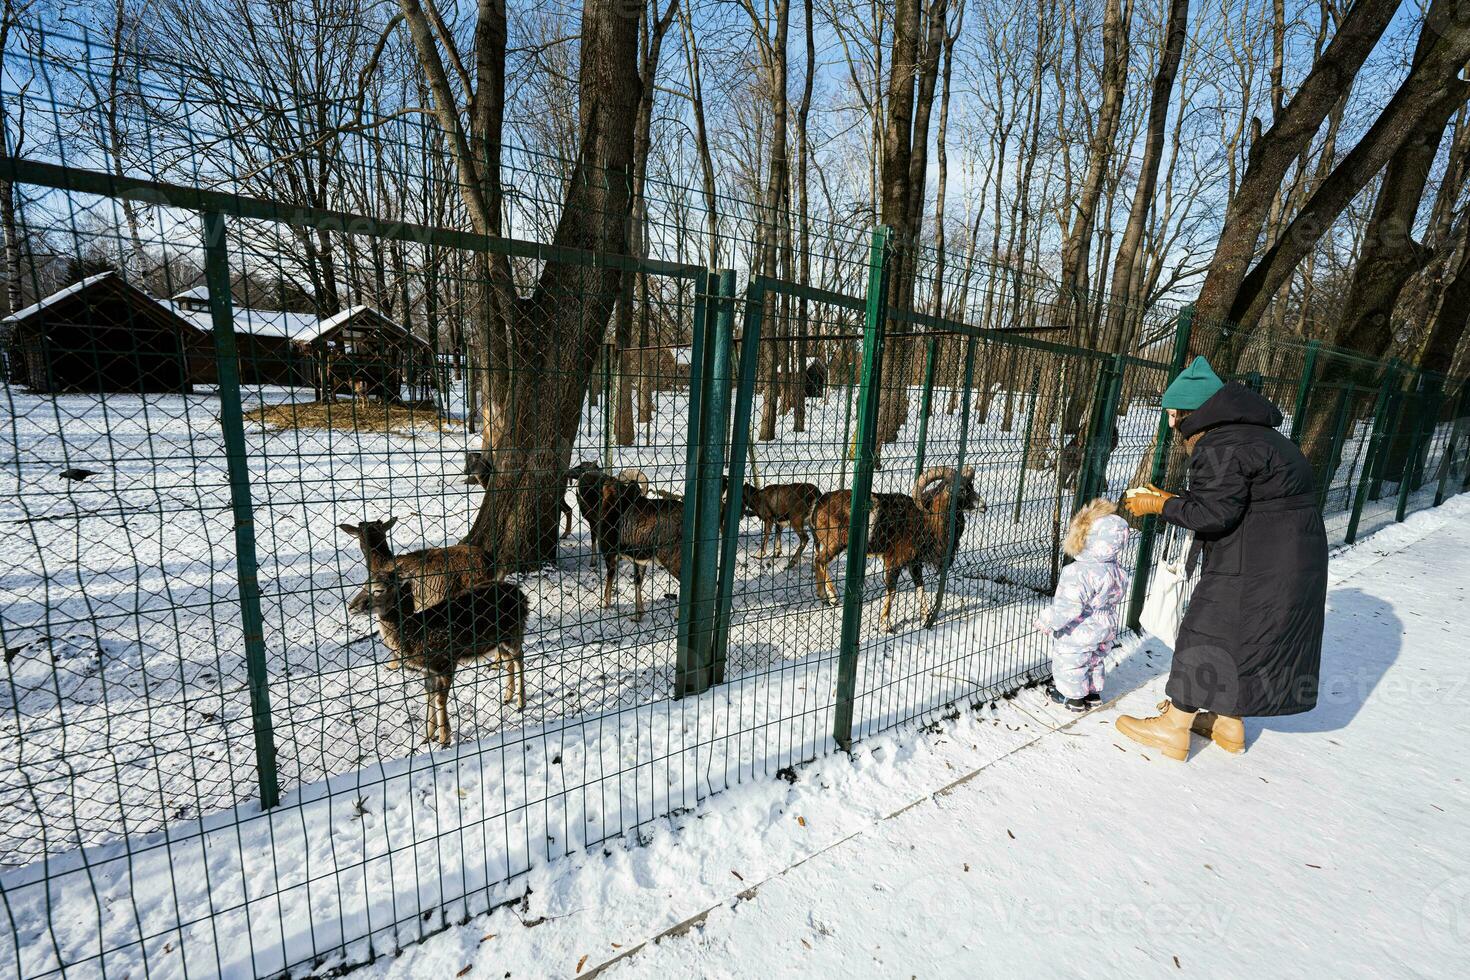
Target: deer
(778, 504)
(627, 523)
(477, 472)
(487, 621)
(907, 531)
(433, 574)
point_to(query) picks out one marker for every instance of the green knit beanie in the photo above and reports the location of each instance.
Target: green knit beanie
(1193, 387)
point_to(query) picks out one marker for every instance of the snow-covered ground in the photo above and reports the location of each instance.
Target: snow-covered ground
(126, 711)
(1021, 840)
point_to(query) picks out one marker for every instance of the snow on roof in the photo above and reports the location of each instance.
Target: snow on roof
(257, 323)
(198, 292)
(337, 319)
(58, 296)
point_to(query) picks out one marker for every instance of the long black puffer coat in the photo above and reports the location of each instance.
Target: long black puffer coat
(1251, 640)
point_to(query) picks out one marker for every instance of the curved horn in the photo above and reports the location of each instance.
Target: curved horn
(632, 475)
(933, 474)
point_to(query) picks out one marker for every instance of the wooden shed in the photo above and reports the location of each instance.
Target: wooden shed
(364, 351)
(101, 334)
(270, 343)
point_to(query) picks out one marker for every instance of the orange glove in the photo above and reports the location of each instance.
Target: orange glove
(1148, 500)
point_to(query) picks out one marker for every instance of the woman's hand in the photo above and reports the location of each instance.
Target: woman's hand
(1148, 499)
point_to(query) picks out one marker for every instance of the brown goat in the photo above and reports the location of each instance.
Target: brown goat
(488, 620)
(778, 504)
(433, 574)
(643, 529)
(908, 532)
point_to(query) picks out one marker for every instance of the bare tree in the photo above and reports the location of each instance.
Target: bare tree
(537, 350)
(1274, 152)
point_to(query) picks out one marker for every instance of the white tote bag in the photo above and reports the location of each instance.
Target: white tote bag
(1163, 607)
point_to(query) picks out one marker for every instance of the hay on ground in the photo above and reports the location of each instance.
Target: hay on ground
(354, 414)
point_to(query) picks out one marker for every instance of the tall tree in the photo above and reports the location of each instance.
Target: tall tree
(537, 350)
(913, 69)
(1273, 153)
(1122, 295)
(1420, 109)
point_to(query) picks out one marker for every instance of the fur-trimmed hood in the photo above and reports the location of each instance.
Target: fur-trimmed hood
(1106, 539)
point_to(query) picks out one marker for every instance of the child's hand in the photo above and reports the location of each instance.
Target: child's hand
(1040, 626)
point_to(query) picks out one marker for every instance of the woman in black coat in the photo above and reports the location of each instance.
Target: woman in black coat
(1251, 640)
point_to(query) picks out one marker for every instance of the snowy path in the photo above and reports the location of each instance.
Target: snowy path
(1336, 843)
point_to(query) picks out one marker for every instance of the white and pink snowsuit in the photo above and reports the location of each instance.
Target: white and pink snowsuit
(1086, 613)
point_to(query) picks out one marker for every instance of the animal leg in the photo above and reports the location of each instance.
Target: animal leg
(778, 540)
(916, 572)
(509, 663)
(800, 528)
(441, 703)
(567, 513)
(430, 717)
(819, 569)
(890, 586)
(519, 662)
(765, 536)
(611, 560)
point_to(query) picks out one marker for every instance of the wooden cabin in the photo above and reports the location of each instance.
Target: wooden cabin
(363, 351)
(270, 343)
(102, 334)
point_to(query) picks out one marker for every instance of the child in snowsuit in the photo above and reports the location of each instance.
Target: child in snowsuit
(1086, 613)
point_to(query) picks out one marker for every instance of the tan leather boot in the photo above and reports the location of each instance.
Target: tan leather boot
(1223, 730)
(1168, 731)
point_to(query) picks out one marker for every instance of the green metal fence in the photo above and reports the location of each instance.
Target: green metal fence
(214, 760)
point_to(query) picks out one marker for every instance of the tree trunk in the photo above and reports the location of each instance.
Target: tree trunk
(539, 351)
(1273, 153)
(773, 211)
(1122, 297)
(913, 69)
(701, 139)
(803, 163)
(1424, 103)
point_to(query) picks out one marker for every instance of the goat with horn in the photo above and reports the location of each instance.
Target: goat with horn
(907, 531)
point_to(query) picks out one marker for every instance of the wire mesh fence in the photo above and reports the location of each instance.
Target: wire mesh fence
(359, 564)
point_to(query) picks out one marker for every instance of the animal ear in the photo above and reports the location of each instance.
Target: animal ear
(391, 522)
(349, 528)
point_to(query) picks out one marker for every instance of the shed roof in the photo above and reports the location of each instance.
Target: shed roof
(58, 296)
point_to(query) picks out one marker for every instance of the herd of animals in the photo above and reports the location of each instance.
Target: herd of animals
(438, 608)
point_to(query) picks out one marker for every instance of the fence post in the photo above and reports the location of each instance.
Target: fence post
(954, 484)
(688, 670)
(1365, 476)
(1446, 462)
(1100, 440)
(926, 403)
(1393, 420)
(1162, 437)
(1304, 390)
(755, 298)
(1334, 450)
(862, 487)
(221, 309)
(1026, 446)
(1094, 414)
(1422, 430)
(715, 422)
(607, 405)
